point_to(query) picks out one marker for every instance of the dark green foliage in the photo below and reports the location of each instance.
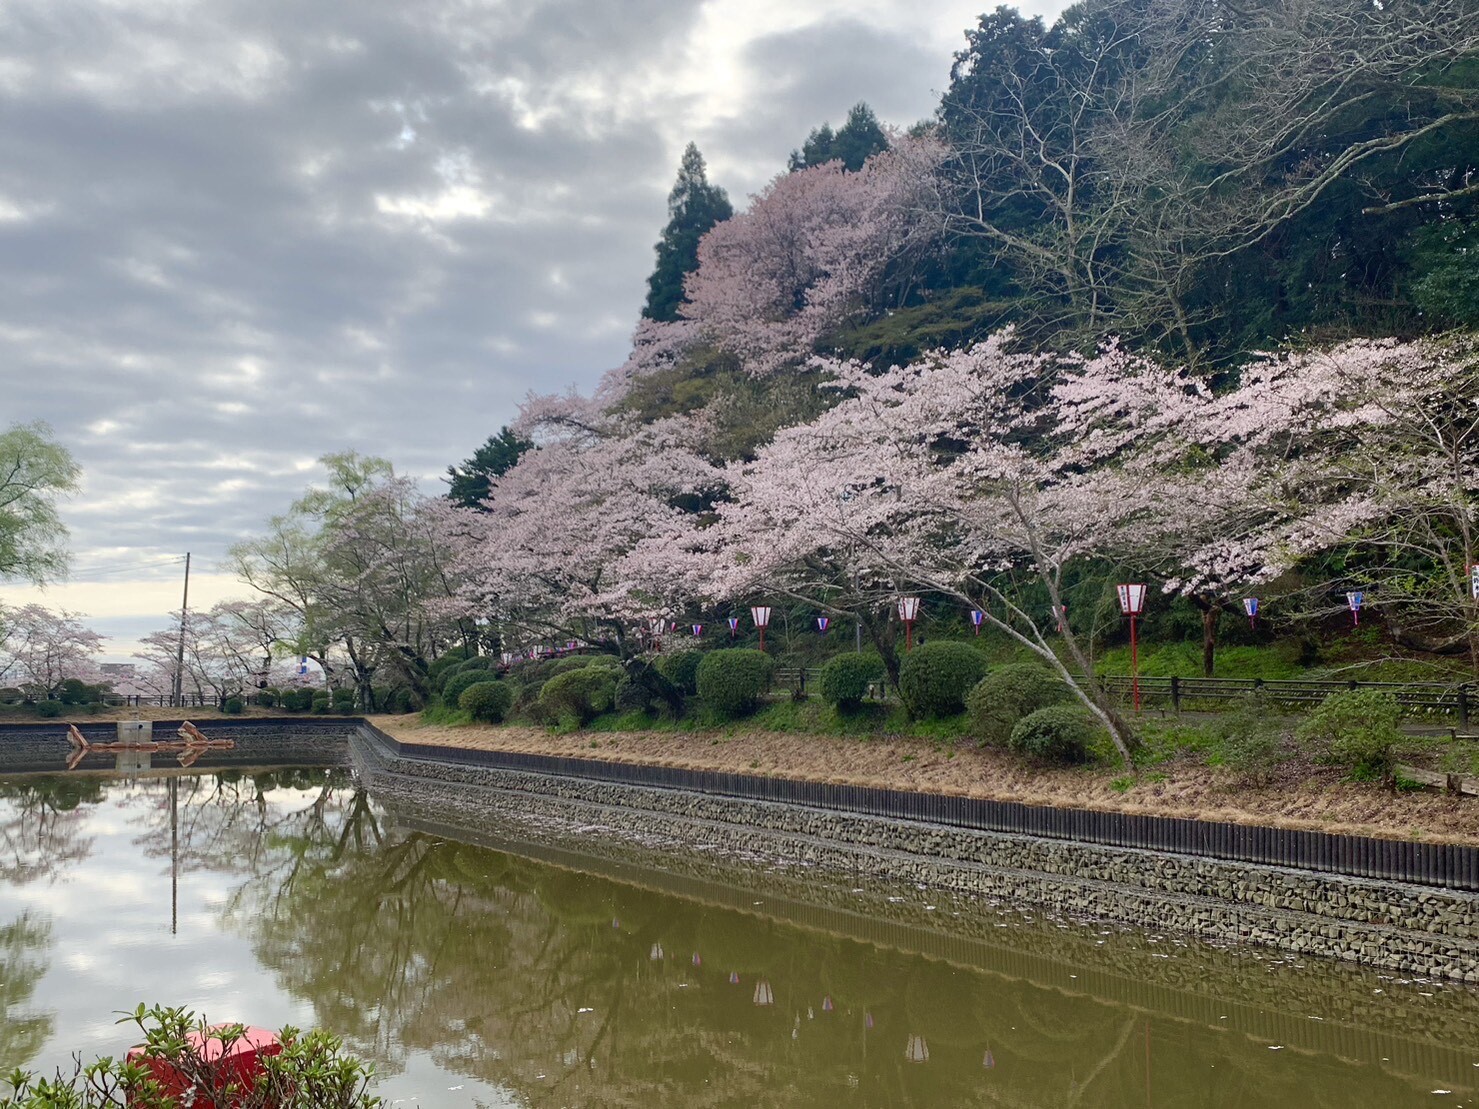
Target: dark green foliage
(344, 701)
(471, 482)
(11, 696)
(310, 1072)
(648, 684)
(681, 668)
(934, 678)
(232, 706)
(631, 696)
(845, 679)
(1061, 734)
(265, 698)
(1357, 730)
(463, 679)
(1250, 738)
(298, 700)
(694, 206)
(441, 667)
(579, 696)
(401, 699)
(565, 665)
(73, 691)
(488, 702)
(49, 709)
(858, 140)
(1004, 696)
(731, 681)
(320, 703)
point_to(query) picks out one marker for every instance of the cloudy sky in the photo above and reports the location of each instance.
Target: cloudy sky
(238, 234)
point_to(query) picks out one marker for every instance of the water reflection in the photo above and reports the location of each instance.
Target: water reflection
(531, 979)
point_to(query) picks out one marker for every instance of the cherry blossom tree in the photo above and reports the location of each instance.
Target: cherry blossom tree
(39, 648)
(569, 544)
(817, 249)
(979, 475)
(1372, 446)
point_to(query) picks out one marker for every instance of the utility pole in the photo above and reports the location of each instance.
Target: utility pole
(179, 698)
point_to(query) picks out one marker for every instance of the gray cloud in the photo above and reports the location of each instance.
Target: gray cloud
(236, 235)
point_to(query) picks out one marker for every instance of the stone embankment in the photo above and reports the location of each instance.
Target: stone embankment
(1409, 929)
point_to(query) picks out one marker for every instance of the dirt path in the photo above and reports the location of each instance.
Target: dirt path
(1304, 797)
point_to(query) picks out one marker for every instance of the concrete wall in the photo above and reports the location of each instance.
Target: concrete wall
(1410, 929)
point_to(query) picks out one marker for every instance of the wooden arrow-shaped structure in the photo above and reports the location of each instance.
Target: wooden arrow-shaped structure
(192, 744)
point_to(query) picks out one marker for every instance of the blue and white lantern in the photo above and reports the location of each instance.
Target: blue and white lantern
(822, 623)
(1250, 606)
(302, 666)
(733, 626)
(698, 630)
(1354, 600)
(977, 616)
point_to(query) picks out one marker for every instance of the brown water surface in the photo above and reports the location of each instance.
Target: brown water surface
(479, 971)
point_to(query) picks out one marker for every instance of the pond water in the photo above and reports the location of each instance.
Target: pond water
(480, 973)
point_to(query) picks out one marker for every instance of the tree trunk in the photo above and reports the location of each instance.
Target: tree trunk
(1211, 618)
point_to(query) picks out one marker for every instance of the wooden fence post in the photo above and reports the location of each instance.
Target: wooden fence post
(1175, 694)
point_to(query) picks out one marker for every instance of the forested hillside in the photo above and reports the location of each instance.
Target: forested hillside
(1170, 290)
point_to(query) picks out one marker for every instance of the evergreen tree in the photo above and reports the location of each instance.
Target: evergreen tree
(694, 206)
(470, 481)
(859, 139)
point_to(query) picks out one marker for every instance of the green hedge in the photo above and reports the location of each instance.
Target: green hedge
(578, 696)
(487, 701)
(1058, 734)
(459, 681)
(681, 668)
(845, 679)
(1358, 730)
(731, 681)
(935, 678)
(1004, 696)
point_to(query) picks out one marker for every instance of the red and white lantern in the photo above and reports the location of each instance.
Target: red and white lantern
(761, 615)
(908, 612)
(1132, 604)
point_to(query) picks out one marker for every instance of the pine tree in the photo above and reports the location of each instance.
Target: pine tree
(694, 206)
(470, 481)
(859, 139)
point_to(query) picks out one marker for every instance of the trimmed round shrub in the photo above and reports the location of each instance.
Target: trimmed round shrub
(462, 680)
(1006, 695)
(401, 699)
(1059, 734)
(11, 696)
(486, 701)
(477, 662)
(442, 666)
(732, 680)
(934, 678)
(579, 696)
(344, 701)
(265, 699)
(74, 691)
(320, 703)
(49, 709)
(845, 679)
(232, 706)
(297, 700)
(681, 668)
(1358, 730)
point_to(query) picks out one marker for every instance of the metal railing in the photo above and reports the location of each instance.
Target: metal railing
(1451, 699)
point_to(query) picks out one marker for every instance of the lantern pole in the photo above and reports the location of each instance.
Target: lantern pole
(1132, 604)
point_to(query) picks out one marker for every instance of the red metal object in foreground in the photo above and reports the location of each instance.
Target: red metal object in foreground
(237, 1065)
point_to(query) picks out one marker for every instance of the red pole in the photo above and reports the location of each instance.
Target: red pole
(1134, 664)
